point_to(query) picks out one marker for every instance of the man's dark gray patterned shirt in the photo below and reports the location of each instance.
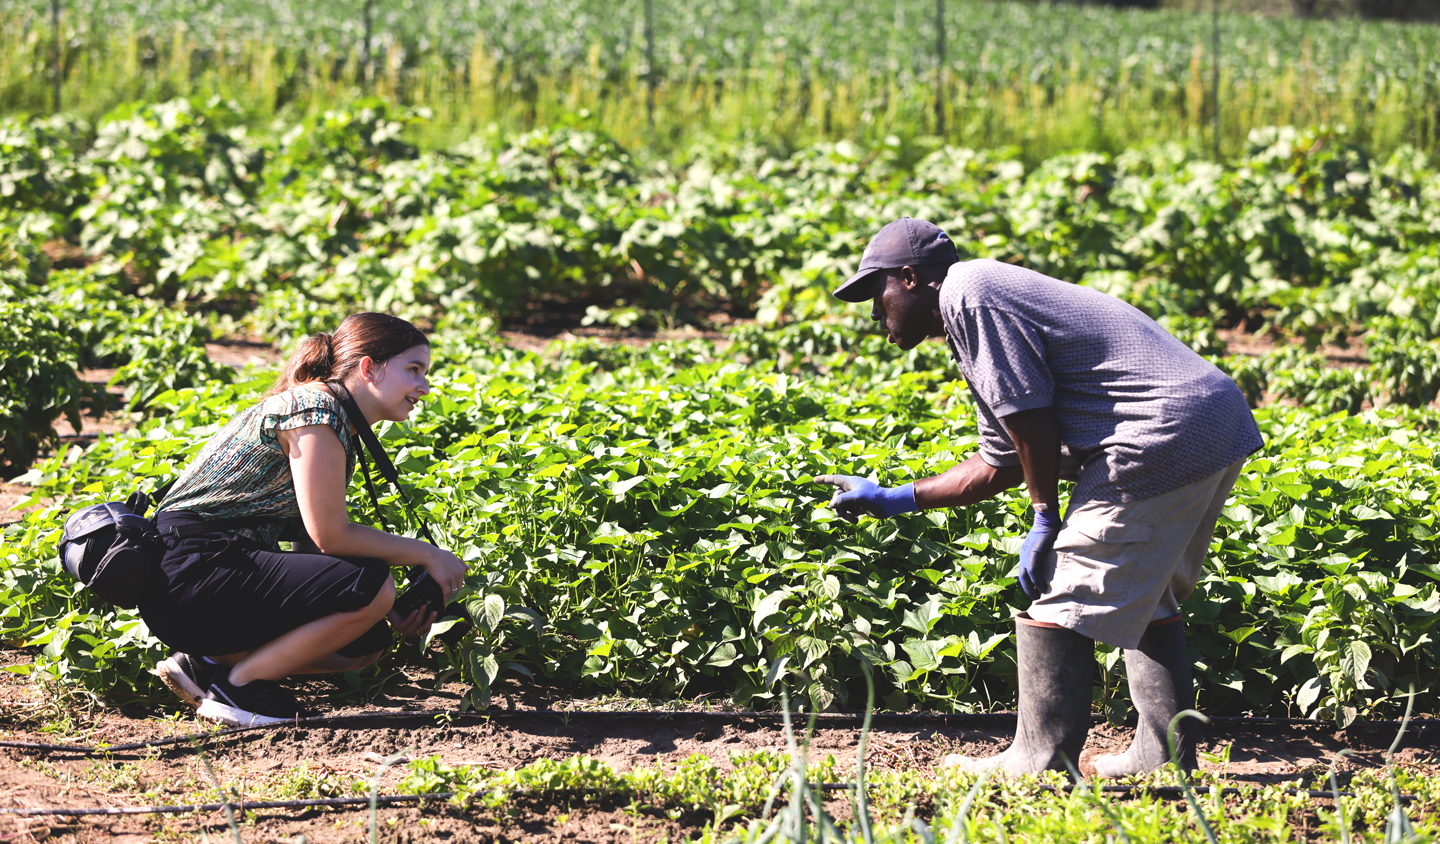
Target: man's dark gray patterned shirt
(1140, 414)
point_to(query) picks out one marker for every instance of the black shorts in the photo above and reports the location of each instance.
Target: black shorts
(217, 593)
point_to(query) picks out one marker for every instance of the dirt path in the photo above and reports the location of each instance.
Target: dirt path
(1240, 342)
(325, 759)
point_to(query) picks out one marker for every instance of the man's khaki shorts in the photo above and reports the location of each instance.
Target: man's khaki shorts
(1118, 567)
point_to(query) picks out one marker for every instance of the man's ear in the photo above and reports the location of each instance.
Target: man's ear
(908, 275)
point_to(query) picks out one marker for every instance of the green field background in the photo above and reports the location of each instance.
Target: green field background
(231, 170)
(1043, 78)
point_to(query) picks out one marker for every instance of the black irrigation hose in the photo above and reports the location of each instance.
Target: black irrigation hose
(649, 715)
(1167, 791)
(1176, 792)
(241, 805)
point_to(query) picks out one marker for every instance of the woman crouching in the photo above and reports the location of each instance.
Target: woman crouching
(240, 613)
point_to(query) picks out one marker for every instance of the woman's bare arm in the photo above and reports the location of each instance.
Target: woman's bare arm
(317, 464)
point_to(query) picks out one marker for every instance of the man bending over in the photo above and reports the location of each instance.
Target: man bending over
(1071, 384)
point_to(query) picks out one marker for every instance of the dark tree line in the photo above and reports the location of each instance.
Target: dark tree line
(1399, 10)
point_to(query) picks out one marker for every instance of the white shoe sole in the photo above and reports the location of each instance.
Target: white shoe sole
(214, 710)
(172, 675)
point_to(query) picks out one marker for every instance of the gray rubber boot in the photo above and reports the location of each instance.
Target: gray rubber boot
(1057, 673)
(1160, 686)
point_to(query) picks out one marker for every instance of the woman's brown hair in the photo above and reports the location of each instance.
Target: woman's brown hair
(332, 357)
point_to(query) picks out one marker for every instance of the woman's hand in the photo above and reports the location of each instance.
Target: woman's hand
(416, 625)
(447, 570)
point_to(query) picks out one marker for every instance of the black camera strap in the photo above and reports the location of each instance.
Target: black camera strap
(371, 443)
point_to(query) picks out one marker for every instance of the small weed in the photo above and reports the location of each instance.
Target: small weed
(1220, 757)
(314, 782)
(47, 768)
(116, 776)
(230, 796)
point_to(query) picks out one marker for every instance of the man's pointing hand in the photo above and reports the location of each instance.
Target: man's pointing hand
(856, 496)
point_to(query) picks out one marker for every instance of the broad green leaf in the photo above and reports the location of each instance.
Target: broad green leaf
(494, 611)
(1355, 660)
(1309, 694)
(767, 606)
(1238, 636)
(777, 670)
(923, 654)
(619, 488)
(923, 618)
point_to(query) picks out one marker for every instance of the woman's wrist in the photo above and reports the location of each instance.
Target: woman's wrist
(431, 555)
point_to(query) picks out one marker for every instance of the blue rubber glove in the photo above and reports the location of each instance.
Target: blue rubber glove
(1032, 552)
(859, 496)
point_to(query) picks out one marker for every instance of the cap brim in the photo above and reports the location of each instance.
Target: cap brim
(861, 287)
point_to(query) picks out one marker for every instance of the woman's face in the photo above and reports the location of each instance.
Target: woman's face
(399, 383)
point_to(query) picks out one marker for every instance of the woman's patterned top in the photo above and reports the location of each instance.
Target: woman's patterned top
(243, 473)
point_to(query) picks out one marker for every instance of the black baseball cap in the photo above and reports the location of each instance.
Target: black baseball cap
(907, 242)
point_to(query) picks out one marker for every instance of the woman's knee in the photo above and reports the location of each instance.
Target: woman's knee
(384, 599)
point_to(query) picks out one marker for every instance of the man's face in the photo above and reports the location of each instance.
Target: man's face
(902, 311)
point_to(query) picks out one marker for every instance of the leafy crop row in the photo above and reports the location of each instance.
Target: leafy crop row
(54, 324)
(1305, 233)
(38, 382)
(604, 503)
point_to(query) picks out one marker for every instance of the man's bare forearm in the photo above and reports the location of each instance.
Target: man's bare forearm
(1036, 435)
(970, 482)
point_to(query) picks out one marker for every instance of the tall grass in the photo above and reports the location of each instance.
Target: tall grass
(1043, 78)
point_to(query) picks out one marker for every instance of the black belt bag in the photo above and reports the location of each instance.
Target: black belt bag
(113, 549)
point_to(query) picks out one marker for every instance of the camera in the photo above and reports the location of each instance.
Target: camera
(421, 591)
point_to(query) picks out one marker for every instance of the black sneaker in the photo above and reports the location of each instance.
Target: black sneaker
(256, 702)
(188, 676)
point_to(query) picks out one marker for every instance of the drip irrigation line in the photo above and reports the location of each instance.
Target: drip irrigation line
(443, 717)
(243, 806)
(1176, 792)
(1166, 791)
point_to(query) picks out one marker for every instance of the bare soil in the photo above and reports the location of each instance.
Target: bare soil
(524, 725)
(1238, 341)
(241, 352)
(539, 339)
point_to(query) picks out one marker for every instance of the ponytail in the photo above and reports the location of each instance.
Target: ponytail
(313, 360)
(331, 357)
